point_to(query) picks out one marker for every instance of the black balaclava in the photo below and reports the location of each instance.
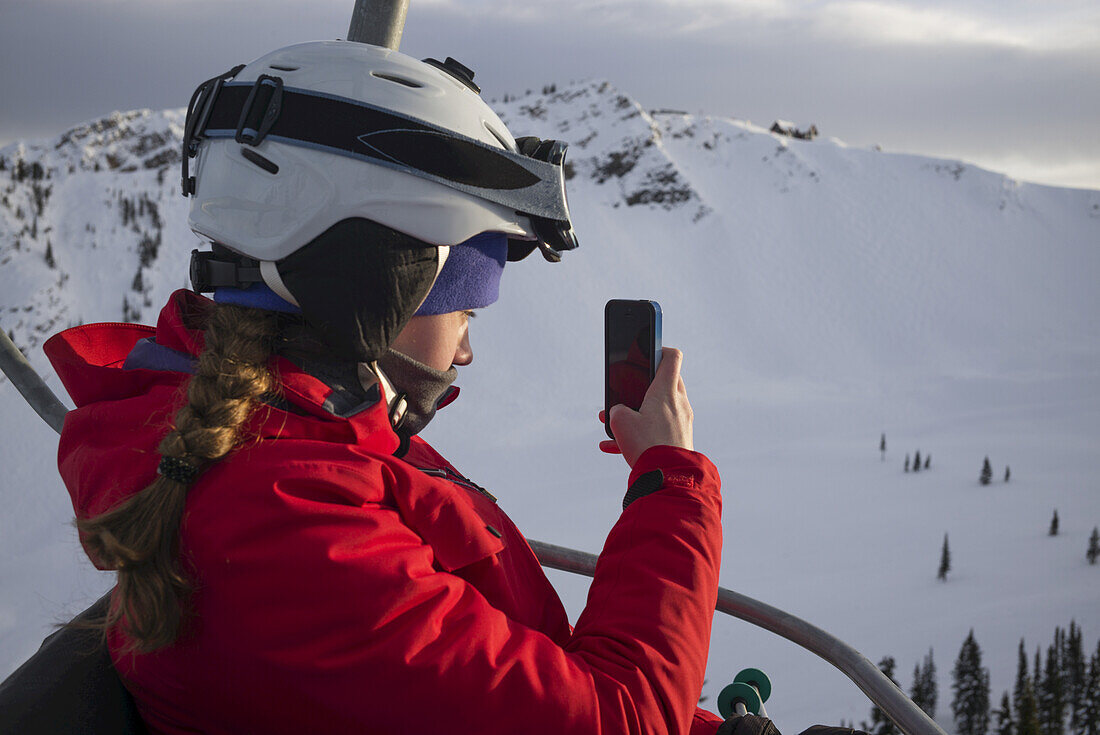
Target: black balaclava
(358, 283)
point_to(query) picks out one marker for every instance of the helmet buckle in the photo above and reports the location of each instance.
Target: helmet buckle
(198, 114)
(260, 111)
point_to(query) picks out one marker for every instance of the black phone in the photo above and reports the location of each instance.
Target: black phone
(632, 352)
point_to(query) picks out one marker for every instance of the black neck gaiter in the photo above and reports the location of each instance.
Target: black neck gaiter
(423, 387)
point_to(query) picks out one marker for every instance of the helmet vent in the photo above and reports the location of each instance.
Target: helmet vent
(397, 80)
(500, 138)
(279, 67)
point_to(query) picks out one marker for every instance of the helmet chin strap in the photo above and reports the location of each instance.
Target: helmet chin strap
(270, 273)
(396, 403)
(444, 252)
(369, 373)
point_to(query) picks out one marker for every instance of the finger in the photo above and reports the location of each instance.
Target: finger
(666, 381)
(609, 447)
(668, 372)
(603, 416)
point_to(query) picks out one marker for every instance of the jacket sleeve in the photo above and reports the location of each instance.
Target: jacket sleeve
(353, 627)
(705, 723)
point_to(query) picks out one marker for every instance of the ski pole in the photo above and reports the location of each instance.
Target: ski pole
(746, 695)
(909, 718)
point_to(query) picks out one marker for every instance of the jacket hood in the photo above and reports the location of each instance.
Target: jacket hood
(108, 446)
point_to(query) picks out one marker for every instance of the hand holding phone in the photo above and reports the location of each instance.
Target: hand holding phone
(664, 418)
(662, 415)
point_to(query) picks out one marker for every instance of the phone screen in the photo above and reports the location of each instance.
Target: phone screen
(632, 348)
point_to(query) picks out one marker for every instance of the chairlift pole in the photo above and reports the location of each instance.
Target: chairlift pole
(378, 22)
(30, 385)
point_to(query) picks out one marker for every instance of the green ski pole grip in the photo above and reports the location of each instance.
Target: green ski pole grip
(738, 693)
(758, 680)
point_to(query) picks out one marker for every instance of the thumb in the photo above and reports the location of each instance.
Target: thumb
(620, 416)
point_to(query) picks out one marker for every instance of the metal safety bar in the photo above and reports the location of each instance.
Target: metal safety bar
(30, 385)
(910, 718)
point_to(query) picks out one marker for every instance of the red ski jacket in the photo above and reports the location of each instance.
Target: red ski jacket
(340, 589)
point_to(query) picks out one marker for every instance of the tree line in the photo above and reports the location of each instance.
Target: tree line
(1055, 695)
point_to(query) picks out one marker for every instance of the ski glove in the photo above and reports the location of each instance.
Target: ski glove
(754, 725)
(749, 725)
(827, 730)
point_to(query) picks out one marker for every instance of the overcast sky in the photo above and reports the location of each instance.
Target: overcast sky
(1012, 85)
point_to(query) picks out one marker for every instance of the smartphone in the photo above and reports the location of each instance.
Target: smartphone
(632, 352)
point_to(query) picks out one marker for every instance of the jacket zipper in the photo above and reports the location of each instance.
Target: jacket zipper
(456, 478)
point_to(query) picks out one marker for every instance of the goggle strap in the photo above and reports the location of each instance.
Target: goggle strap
(358, 130)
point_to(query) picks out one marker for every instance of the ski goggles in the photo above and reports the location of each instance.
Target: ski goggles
(529, 180)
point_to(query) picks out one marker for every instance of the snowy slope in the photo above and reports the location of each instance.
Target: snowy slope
(823, 294)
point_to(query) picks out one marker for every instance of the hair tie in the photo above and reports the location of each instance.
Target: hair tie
(177, 470)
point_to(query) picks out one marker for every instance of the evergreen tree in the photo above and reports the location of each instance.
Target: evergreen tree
(970, 685)
(916, 691)
(1075, 674)
(1023, 698)
(1008, 473)
(49, 255)
(881, 724)
(945, 561)
(916, 461)
(129, 313)
(1094, 546)
(987, 473)
(1021, 679)
(1002, 718)
(1030, 724)
(927, 461)
(1037, 674)
(882, 447)
(1091, 695)
(924, 691)
(1054, 524)
(1051, 693)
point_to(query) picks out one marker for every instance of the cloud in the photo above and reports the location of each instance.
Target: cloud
(1010, 81)
(898, 23)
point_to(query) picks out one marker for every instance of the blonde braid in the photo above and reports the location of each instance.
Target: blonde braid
(140, 536)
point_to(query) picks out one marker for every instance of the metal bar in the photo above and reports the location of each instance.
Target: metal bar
(872, 682)
(910, 718)
(33, 389)
(378, 22)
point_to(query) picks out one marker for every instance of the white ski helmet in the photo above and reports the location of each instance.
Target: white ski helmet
(280, 153)
(339, 173)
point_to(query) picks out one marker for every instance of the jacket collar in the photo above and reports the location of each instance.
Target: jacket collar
(90, 361)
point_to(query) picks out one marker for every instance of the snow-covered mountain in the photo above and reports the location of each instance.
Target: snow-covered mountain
(822, 294)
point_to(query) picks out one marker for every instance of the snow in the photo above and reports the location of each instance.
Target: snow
(823, 294)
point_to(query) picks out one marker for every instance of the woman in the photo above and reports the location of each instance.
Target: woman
(291, 556)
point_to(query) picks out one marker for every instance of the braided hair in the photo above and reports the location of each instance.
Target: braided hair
(140, 536)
